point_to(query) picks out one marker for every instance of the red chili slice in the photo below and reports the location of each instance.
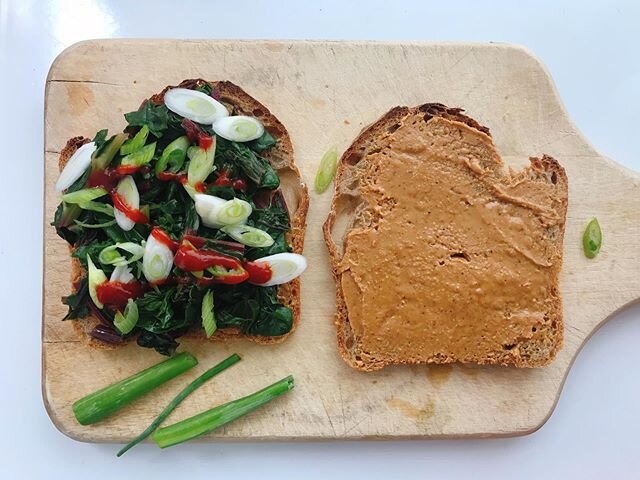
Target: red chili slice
(106, 179)
(116, 294)
(205, 141)
(258, 272)
(190, 259)
(164, 238)
(231, 278)
(175, 177)
(127, 169)
(199, 242)
(133, 214)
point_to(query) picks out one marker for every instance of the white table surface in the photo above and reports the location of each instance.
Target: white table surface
(591, 49)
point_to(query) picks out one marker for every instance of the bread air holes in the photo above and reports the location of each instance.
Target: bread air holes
(554, 178)
(462, 255)
(257, 112)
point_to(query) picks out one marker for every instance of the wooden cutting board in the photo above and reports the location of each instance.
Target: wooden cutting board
(325, 92)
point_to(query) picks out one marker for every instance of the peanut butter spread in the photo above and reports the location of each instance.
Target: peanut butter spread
(457, 260)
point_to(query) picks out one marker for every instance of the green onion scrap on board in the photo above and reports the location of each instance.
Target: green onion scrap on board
(209, 420)
(98, 405)
(327, 170)
(193, 386)
(592, 239)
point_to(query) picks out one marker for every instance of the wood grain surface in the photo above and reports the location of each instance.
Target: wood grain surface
(325, 93)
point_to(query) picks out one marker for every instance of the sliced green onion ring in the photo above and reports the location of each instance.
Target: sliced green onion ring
(249, 236)
(233, 212)
(140, 157)
(208, 316)
(84, 195)
(96, 277)
(200, 163)
(173, 155)
(126, 321)
(111, 256)
(592, 239)
(97, 207)
(238, 128)
(135, 143)
(327, 170)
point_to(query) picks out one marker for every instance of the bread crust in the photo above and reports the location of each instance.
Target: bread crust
(542, 349)
(281, 157)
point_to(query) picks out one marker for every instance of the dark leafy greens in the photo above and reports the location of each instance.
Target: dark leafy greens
(169, 310)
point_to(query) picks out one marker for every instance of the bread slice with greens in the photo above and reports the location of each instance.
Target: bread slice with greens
(192, 222)
(439, 254)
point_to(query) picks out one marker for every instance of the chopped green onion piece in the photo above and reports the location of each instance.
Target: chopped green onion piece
(216, 417)
(249, 236)
(233, 212)
(126, 321)
(110, 255)
(135, 143)
(200, 163)
(592, 239)
(96, 277)
(68, 215)
(97, 207)
(84, 195)
(106, 224)
(327, 170)
(103, 156)
(173, 155)
(140, 157)
(104, 402)
(193, 386)
(208, 316)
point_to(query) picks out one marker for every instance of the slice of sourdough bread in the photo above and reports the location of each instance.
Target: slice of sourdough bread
(295, 193)
(439, 255)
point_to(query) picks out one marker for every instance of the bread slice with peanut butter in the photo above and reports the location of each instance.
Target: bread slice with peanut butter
(439, 254)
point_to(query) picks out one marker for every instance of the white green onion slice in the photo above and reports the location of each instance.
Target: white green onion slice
(208, 316)
(84, 195)
(135, 143)
(111, 256)
(238, 128)
(126, 321)
(233, 212)
(95, 277)
(76, 166)
(284, 267)
(207, 207)
(249, 236)
(200, 163)
(157, 260)
(194, 105)
(122, 273)
(327, 170)
(128, 190)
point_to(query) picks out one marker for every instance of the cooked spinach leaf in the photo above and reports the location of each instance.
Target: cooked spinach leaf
(100, 138)
(77, 302)
(163, 343)
(255, 167)
(265, 142)
(156, 117)
(254, 310)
